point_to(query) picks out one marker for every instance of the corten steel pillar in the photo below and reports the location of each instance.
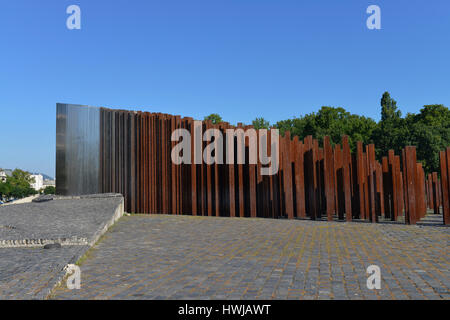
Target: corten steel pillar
(252, 173)
(292, 153)
(208, 191)
(231, 178)
(435, 193)
(446, 214)
(317, 213)
(287, 175)
(410, 173)
(372, 182)
(393, 184)
(366, 186)
(439, 198)
(430, 191)
(399, 186)
(193, 168)
(360, 178)
(346, 163)
(320, 183)
(387, 188)
(380, 191)
(310, 177)
(420, 192)
(299, 179)
(339, 185)
(445, 184)
(328, 177)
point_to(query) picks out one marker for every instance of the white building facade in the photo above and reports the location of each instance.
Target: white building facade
(38, 182)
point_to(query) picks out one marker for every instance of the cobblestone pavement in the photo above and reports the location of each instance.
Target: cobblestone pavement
(57, 219)
(31, 273)
(27, 270)
(184, 257)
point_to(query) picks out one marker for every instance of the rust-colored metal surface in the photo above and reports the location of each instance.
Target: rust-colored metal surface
(313, 180)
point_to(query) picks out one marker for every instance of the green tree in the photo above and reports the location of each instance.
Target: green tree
(392, 131)
(260, 123)
(18, 184)
(49, 190)
(332, 122)
(429, 131)
(214, 118)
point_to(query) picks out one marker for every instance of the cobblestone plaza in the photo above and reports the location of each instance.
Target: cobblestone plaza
(184, 257)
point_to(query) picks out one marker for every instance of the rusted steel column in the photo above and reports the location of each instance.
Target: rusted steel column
(393, 184)
(430, 191)
(399, 186)
(317, 213)
(272, 178)
(445, 186)
(193, 167)
(262, 190)
(405, 190)
(360, 178)
(299, 179)
(435, 193)
(216, 174)
(320, 182)
(372, 182)
(328, 174)
(293, 161)
(231, 179)
(346, 164)
(411, 172)
(240, 168)
(252, 176)
(144, 146)
(420, 193)
(133, 163)
(310, 177)
(287, 176)
(208, 191)
(439, 197)
(446, 214)
(380, 197)
(339, 182)
(387, 187)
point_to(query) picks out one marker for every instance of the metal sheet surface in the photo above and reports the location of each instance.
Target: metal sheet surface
(77, 149)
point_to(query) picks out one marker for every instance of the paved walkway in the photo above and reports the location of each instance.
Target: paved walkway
(183, 257)
(27, 269)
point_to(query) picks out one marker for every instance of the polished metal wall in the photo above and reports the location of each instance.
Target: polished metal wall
(77, 149)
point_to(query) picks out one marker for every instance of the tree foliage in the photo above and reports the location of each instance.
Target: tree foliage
(332, 122)
(260, 123)
(50, 190)
(17, 185)
(214, 118)
(428, 130)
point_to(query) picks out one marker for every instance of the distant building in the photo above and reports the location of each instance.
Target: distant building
(4, 173)
(38, 182)
(49, 183)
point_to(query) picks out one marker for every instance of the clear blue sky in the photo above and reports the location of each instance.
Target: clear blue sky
(238, 58)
